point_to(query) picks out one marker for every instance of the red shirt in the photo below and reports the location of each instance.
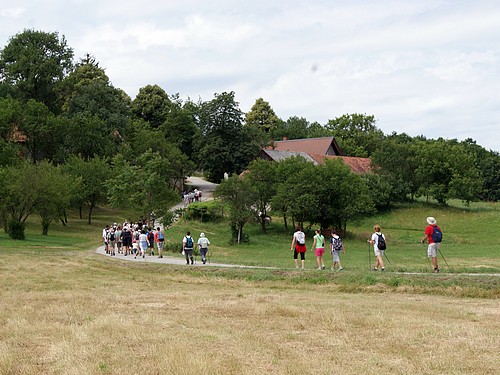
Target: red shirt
(428, 231)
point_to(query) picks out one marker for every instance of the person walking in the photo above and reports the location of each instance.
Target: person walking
(379, 246)
(299, 247)
(160, 241)
(433, 235)
(143, 243)
(203, 243)
(319, 248)
(335, 246)
(187, 247)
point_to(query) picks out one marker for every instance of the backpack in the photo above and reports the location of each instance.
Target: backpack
(189, 242)
(381, 242)
(160, 236)
(437, 235)
(336, 243)
(111, 236)
(301, 238)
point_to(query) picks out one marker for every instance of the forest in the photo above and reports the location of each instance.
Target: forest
(69, 139)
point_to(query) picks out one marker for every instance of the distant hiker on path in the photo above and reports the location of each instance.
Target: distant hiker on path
(299, 247)
(335, 246)
(319, 248)
(203, 243)
(433, 235)
(187, 247)
(160, 241)
(378, 241)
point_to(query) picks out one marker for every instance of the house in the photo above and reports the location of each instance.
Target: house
(315, 150)
(320, 146)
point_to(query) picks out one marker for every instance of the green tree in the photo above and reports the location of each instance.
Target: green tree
(148, 188)
(54, 190)
(293, 196)
(356, 134)
(225, 145)
(35, 63)
(263, 120)
(180, 126)
(151, 104)
(262, 176)
(93, 174)
(239, 194)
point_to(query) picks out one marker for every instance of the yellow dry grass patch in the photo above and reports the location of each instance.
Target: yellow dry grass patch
(87, 316)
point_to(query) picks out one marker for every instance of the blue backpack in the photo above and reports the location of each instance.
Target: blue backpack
(437, 235)
(189, 242)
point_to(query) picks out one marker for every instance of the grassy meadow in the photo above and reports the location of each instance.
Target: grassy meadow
(68, 310)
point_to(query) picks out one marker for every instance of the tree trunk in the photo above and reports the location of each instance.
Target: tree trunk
(91, 208)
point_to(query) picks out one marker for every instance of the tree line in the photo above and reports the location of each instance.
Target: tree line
(69, 138)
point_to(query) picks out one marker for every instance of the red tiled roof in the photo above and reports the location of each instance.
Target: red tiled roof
(321, 146)
(357, 165)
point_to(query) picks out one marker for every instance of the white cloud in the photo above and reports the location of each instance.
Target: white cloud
(12, 12)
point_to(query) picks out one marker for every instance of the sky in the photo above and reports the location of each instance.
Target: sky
(426, 67)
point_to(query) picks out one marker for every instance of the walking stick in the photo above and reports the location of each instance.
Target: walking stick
(447, 265)
(386, 257)
(369, 258)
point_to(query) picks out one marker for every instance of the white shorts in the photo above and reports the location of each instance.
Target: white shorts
(379, 252)
(336, 255)
(433, 249)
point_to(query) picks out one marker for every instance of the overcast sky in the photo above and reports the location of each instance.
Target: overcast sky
(423, 67)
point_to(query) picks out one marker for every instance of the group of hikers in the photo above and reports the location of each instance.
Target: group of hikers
(189, 197)
(138, 239)
(432, 235)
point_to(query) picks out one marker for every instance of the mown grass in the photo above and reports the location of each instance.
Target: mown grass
(67, 310)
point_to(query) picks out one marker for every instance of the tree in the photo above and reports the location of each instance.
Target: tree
(36, 62)
(263, 120)
(152, 105)
(28, 188)
(396, 162)
(356, 134)
(180, 126)
(93, 173)
(293, 196)
(147, 189)
(54, 190)
(225, 145)
(262, 176)
(239, 194)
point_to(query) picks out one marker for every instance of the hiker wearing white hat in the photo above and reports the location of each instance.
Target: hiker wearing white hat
(203, 243)
(434, 236)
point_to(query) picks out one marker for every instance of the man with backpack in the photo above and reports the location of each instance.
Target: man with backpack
(187, 247)
(434, 236)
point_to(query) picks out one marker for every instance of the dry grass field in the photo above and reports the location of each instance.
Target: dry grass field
(81, 313)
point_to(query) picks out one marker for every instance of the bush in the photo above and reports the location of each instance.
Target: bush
(204, 211)
(16, 229)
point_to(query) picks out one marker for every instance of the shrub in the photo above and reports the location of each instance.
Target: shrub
(15, 229)
(204, 211)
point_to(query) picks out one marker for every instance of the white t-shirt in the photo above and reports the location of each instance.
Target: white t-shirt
(203, 242)
(375, 239)
(300, 238)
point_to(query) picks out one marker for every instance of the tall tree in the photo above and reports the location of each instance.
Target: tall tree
(36, 62)
(239, 194)
(263, 119)
(93, 174)
(151, 104)
(262, 176)
(225, 145)
(356, 134)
